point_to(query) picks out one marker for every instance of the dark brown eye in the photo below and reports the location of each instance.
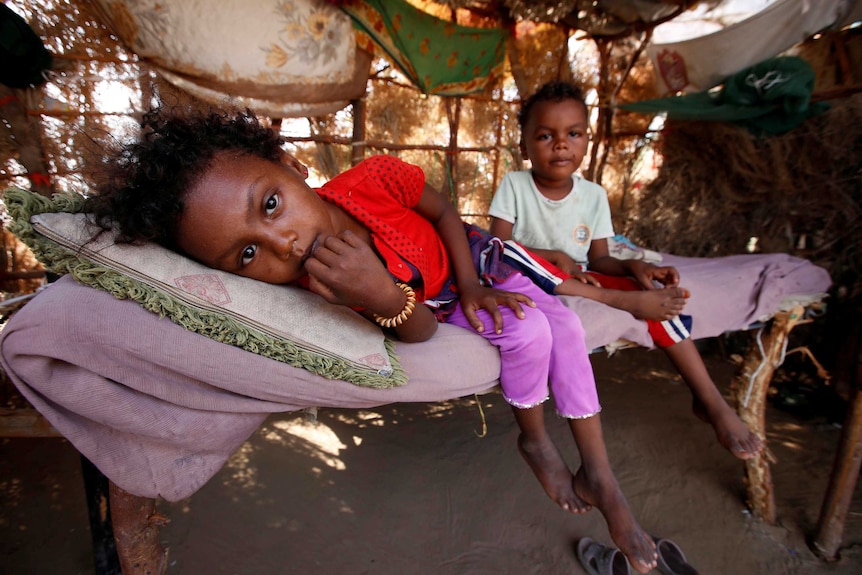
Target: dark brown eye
(248, 254)
(271, 204)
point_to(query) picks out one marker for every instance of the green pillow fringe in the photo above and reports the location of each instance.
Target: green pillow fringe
(23, 204)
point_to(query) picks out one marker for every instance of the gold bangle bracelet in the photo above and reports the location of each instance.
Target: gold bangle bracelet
(409, 306)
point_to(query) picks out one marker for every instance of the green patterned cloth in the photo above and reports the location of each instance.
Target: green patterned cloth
(440, 57)
(769, 98)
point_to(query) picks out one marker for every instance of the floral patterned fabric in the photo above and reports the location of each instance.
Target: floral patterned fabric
(285, 58)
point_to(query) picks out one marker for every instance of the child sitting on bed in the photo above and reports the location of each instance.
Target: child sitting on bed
(220, 189)
(566, 219)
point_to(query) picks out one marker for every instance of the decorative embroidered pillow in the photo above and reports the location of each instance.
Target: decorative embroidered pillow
(284, 323)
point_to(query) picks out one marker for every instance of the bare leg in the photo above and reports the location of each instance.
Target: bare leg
(708, 403)
(545, 459)
(655, 304)
(596, 484)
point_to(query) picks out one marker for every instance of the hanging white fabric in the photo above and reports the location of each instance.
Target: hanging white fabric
(695, 64)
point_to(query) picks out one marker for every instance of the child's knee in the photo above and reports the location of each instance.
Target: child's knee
(531, 334)
(569, 325)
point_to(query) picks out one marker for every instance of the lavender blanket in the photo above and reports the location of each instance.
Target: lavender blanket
(159, 409)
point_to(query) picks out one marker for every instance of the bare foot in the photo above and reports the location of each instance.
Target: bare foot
(656, 304)
(604, 493)
(551, 470)
(731, 431)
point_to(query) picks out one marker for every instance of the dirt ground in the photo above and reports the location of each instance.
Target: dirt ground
(411, 489)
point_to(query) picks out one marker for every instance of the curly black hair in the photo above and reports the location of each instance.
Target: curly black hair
(144, 183)
(555, 91)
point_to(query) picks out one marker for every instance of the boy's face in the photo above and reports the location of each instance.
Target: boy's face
(253, 217)
(555, 139)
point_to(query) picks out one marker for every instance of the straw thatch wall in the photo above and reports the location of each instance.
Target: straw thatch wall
(800, 193)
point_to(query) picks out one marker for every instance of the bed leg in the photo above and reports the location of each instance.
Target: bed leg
(96, 488)
(750, 388)
(136, 532)
(845, 472)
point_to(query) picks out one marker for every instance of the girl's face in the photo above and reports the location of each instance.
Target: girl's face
(555, 139)
(253, 217)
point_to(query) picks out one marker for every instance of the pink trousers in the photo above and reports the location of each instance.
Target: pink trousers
(548, 345)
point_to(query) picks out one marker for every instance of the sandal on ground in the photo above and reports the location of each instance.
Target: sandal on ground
(598, 559)
(671, 560)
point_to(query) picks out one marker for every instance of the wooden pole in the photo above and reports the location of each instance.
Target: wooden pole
(25, 422)
(28, 139)
(136, 532)
(357, 142)
(750, 388)
(845, 472)
(96, 488)
(498, 135)
(453, 114)
(605, 47)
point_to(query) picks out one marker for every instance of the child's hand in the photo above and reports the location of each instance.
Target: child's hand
(566, 263)
(646, 274)
(585, 278)
(665, 275)
(478, 297)
(345, 271)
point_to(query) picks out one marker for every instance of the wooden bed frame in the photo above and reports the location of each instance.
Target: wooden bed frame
(125, 527)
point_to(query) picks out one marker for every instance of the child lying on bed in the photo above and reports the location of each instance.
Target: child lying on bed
(377, 238)
(566, 219)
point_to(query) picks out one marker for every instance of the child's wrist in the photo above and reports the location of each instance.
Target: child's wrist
(404, 314)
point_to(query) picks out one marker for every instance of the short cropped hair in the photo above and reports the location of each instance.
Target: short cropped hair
(556, 91)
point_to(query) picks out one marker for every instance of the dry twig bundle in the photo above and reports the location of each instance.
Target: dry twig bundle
(719, 187)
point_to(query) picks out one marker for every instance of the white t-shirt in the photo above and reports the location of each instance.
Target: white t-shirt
(568, 225)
